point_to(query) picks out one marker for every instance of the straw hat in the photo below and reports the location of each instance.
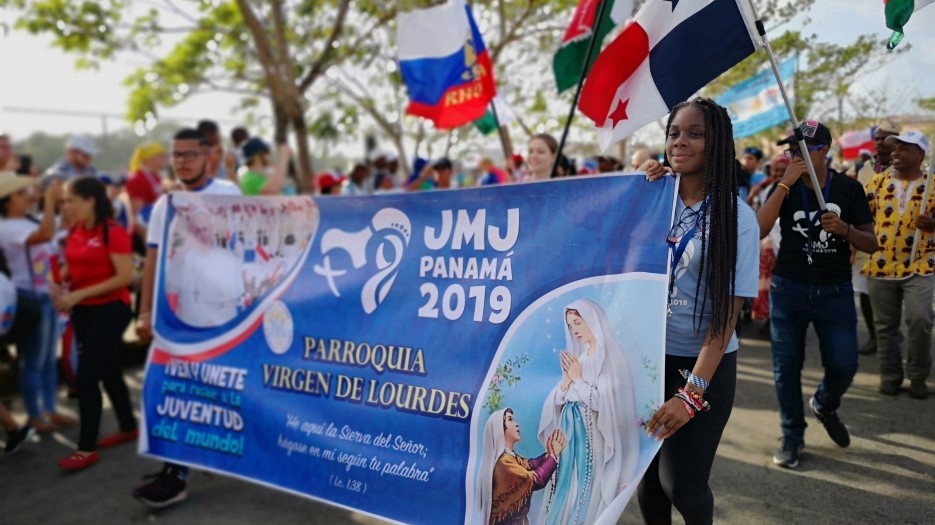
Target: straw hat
(11, 183)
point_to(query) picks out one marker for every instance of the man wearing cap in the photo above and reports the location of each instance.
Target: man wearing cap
(260, 176)
(329, 183)
(750, 162)
(811, 284)
(79, 153)
(900, 273)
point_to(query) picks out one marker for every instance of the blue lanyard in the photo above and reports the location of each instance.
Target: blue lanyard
(826, 191)
(677, 250)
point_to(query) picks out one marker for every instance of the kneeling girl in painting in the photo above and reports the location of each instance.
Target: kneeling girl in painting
(506, 479)
(714, 245)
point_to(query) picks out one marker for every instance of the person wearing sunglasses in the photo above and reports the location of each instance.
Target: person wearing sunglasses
(811, 284)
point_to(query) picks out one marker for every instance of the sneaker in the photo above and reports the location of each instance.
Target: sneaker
(836, 430)
(888, 388)
(15, 440)
(788, 454)
(918, 389)
(166, 488)
(869, 348)
(119, 437)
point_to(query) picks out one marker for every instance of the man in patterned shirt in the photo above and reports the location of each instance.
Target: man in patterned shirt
(900, 273)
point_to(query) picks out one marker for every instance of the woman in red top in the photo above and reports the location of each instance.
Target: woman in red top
(99, 270)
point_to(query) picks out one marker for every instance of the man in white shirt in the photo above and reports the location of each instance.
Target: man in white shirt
(189, 159)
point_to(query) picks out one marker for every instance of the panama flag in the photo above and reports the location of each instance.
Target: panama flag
(445, 65)
(669, 51)
(898, 13)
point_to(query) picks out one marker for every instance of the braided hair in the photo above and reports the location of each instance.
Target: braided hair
(719, 241)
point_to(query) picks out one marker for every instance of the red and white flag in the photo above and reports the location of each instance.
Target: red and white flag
(668, 52)
(854, 141)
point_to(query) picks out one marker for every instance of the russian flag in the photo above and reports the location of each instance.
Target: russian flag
(445, 65)
(668, 52)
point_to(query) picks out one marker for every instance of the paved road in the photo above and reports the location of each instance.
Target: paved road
(886, 476)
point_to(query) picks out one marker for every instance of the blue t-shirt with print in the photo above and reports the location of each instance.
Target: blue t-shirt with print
(681, 337)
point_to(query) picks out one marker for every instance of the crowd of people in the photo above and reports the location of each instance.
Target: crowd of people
(750, 238)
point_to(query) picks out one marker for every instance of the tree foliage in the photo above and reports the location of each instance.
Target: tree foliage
(327, 68)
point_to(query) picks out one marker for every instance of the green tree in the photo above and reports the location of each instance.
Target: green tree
(202, 45)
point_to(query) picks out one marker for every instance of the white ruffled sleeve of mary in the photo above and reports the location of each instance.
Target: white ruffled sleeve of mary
(598, 416)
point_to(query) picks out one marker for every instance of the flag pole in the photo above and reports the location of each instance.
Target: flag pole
(925, 201)
(799, 136)
(595, 30)
(504, 140)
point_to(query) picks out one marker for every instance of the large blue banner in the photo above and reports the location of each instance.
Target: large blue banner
(491, 353)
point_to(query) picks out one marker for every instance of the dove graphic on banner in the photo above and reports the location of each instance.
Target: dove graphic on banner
(668, 52)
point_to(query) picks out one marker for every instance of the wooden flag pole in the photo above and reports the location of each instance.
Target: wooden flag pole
(504, 139)
(595, 30)
(799, 136)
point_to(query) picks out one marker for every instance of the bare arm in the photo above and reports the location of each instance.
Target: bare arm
(277, 180)
(46, 230)
(144, 323)
(123, 276)
(672, 415)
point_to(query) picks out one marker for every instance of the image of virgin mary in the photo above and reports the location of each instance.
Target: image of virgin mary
(593, 405)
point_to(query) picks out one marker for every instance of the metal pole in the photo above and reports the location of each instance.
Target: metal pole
(799, 137)
(595, 29)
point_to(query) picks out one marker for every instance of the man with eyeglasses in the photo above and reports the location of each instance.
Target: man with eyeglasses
(900, 274)
(189, 159)
(812, 285)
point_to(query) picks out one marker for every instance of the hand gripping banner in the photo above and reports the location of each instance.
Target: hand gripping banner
(475, 356)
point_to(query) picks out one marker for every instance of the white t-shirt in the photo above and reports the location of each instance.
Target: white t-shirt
(13, 235)
(157, 221)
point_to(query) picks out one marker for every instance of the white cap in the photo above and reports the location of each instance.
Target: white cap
(82, 143)
(911, 137)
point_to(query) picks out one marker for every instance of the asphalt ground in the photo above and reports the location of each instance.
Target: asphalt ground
(887, 475)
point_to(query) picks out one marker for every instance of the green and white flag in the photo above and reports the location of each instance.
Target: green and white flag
(488, 124)
(898, 13)
(569, 59)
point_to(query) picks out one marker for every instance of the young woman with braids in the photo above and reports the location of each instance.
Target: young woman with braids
(714, 244)
(99, 271)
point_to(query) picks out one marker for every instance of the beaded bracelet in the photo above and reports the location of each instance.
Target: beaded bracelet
(695, 399)
(700, 382)
(688, 408)
(687, 400)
